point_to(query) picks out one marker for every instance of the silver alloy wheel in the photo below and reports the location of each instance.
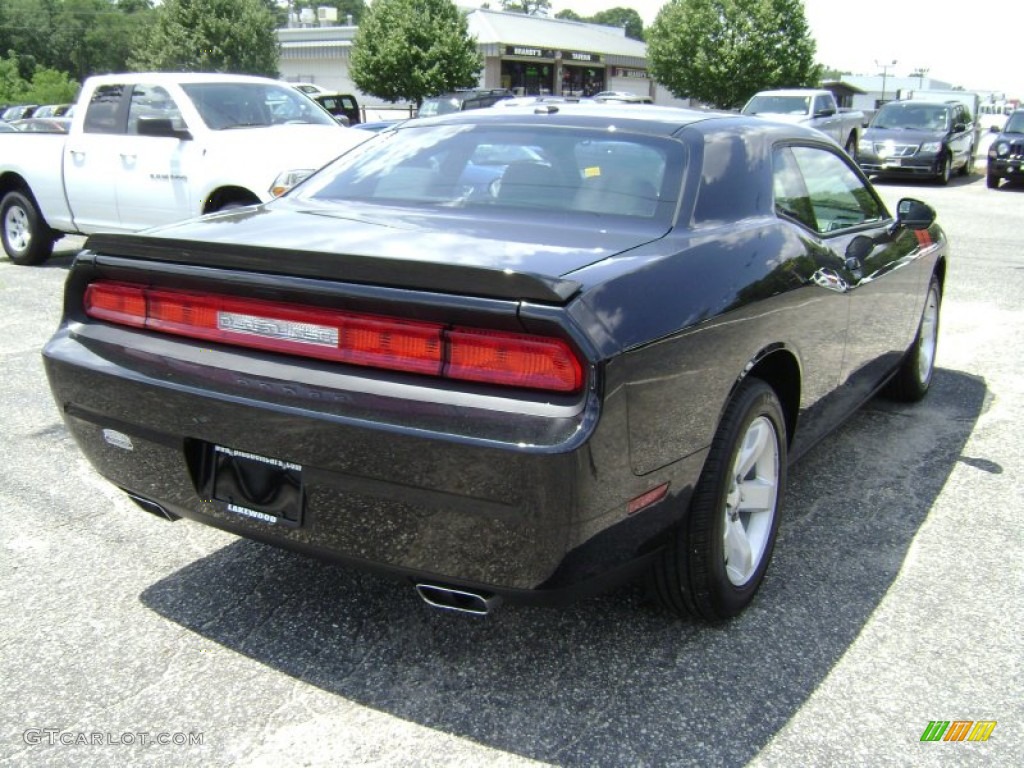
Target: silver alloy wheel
(17, 229)
(928, 337)
(751, 501)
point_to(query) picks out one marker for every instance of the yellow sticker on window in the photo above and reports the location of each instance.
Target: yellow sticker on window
(591, 172)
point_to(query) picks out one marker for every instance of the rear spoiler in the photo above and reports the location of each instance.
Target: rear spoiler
(418, 275)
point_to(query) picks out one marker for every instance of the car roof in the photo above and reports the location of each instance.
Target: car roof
(164, 78)
(791, 92)
(643, 118)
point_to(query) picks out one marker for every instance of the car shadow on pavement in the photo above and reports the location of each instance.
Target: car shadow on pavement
(612, 680)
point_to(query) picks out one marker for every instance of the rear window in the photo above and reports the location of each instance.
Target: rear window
(545, 169)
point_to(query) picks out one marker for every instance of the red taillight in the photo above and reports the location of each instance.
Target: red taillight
(509, 359)
(124, 304)
(513, 359)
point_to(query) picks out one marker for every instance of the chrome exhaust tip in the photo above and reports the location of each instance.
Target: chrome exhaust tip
(449, 599)
(152, 507)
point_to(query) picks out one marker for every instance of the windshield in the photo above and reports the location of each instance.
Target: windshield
(906, 115)
(1015, 124)
(500, 167)
(778, 105)
(225, 106)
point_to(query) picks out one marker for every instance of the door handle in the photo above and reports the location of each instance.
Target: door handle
(128, 158)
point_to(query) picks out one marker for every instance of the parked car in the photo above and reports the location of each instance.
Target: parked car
(153, 148)
(1006, 152)
(378, 125)
(458, 101)
(310, 89)
(612, 97)
(19, 112)
(52, 110)
(814, 108)
(919, 138)
(43, 124)
(343, 105)
(601, 368)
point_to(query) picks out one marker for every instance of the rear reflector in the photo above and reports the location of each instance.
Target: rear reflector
(469, 354)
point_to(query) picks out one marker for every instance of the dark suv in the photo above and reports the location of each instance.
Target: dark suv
(457, 101)
(1006, 152)
(919, 138)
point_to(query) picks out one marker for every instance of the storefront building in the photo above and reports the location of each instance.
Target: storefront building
(530, 55)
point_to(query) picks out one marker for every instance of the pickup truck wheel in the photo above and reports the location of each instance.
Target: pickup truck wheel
(27, 240)
(715, 564)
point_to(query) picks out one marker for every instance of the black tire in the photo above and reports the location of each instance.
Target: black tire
(992, 180)
(914, 376)
(851, 145)
(968, 167)
(693, 575)
(26, 239)
(945, 169)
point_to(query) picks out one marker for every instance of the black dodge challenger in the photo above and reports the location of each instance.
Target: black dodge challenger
(517, 353)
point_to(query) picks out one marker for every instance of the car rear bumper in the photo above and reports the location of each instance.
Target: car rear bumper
(524, 506)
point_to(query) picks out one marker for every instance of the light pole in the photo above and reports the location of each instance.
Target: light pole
(920, 74)
(885, 74)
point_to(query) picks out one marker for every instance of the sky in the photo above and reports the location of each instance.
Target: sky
(965, 45)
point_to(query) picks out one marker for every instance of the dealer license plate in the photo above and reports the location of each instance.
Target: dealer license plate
(256, 487)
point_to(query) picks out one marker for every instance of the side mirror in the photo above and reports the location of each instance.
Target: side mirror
(161, 127)
(959, 127)
(993, 129)
(827, 112)
(913, 214)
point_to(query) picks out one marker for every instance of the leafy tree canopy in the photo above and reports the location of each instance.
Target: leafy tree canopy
(721, 52)
(621, 17)
(529, 7)
(407, 50)
(43, 86)
(235, 36)
(613, 17)
(81, 37)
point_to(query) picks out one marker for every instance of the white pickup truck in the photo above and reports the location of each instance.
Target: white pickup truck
(150, 149)
(813, 108)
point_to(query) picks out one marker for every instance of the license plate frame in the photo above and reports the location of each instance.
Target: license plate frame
(259, 488)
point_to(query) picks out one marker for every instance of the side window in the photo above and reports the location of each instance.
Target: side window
(152, 101)
(791, 197)
(101, 116)
(820, 103)
(838, 197)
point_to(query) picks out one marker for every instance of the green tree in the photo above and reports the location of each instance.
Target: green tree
(235, 36)
(570, 15)
(529, 7)
(49, 86)
(621, 17)
(406, 50)
(721, 52)
(81, 37)
(44, 86)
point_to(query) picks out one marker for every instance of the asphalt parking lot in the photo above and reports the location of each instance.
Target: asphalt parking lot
(895, 598)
